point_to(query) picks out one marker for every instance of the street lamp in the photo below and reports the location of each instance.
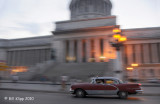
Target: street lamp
(118, 38)
(102, 58)
(129, 68)
(134, 65)
(117, 42)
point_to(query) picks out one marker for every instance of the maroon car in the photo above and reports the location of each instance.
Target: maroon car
(105, 86)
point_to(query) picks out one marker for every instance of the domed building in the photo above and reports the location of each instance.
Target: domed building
(80, 48)
(85, 9)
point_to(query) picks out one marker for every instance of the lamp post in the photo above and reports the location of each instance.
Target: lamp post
(117, 41)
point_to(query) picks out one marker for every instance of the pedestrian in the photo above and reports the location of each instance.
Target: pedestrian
(63, 82)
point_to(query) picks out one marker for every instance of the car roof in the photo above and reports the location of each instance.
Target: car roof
(105, 78)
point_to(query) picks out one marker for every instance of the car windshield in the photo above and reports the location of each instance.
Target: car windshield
(92, 81)
(120, 81)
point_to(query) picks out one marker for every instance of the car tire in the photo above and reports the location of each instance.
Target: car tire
(80, 93)
(123, 95)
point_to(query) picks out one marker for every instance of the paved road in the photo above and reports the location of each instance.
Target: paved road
(55, 88)
(59, 98)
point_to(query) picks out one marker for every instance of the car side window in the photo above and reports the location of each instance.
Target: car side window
(110, 81)
(99, 81)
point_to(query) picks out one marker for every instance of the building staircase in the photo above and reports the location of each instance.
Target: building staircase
(80, 71)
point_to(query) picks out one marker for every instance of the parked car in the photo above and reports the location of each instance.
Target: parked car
(153, 80)
(105, 86)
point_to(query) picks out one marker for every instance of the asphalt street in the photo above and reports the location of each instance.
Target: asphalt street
(25, 97)
(57, 88)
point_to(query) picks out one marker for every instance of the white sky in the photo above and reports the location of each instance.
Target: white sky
(30, 18)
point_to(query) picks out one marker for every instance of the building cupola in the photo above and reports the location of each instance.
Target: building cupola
(86, 9)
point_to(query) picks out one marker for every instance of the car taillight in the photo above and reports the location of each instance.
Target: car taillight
(139, 84)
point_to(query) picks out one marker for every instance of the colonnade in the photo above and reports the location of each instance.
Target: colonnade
(88, 50)
(27, 57)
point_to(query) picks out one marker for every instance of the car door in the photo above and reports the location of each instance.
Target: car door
(97, 88)
(110, 87)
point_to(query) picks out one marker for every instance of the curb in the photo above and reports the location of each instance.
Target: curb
(66, 92)
(47, 83)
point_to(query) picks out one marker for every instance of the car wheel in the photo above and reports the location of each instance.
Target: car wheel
(123, 95)
(80, 93)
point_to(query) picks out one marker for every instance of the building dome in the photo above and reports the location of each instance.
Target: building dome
(85, 9)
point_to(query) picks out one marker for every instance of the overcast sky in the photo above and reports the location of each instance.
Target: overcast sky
(30, 18)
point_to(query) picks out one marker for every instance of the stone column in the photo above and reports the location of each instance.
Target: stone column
(146, 55)
(30, 57)
(9, 58)
(38, 55)
(106, 49)
(57, 49)
(13, 58)
(64, 51)
(23, 58)
(129, 54)
(79, 51)
(42, 55)
(3, 55)
(20, 63)
(97, 49)
(33, 57)
(138, 53)
(88, 49)
(18, 58)
(71, 50)
(154, 53)
(26, 57)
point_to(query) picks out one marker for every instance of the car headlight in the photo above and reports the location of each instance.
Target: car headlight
(71, 89)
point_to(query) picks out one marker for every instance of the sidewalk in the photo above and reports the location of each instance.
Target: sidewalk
(49, 87)
(58, 83)
(35, 87)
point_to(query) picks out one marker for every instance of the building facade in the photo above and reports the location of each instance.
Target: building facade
(82, 46)
(142, 48)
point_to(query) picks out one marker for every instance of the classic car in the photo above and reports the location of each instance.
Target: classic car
(105, 86)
